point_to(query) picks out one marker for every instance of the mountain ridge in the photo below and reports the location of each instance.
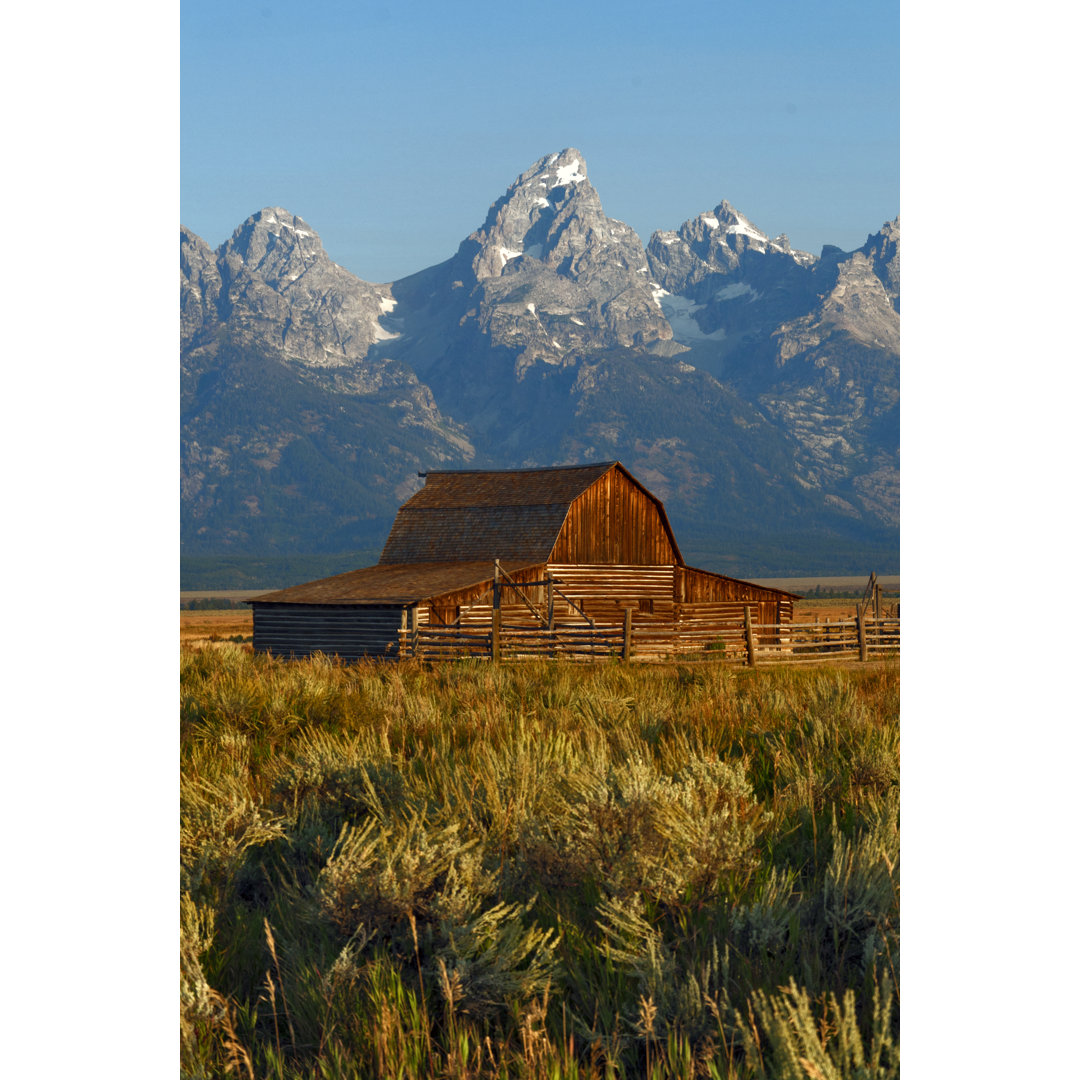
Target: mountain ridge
(752, 386)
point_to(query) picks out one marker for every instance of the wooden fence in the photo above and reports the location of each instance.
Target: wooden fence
(859, 639)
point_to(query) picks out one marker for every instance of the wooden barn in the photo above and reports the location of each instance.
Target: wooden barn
(577, 546)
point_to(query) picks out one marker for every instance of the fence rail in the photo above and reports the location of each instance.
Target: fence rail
(858, 639)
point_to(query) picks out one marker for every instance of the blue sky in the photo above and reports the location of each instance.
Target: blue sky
(392, 126)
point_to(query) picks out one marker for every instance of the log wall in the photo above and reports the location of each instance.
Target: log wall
(350, 632)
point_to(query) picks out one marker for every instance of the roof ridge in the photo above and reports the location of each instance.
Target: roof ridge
(530, 468)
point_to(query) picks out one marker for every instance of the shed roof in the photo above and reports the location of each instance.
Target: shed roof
(461, 514)
(389, 585)
(742, 581)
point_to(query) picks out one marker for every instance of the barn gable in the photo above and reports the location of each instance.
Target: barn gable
(616, 521)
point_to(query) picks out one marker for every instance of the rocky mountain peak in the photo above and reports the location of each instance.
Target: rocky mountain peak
(271, 284)
(536, 211)
(547, 277)
(883, 249)
(714, 243)
(561, 170)
(200, 284)
(274, 245)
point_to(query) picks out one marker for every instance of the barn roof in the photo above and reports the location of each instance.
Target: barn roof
(742, 581)
(389, 585)
(476, 515)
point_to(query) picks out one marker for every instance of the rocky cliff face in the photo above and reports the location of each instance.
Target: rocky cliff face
(812, 341)
(883, 250)
(754, 387)
(721, 281)
(200, 286)
(834, 383)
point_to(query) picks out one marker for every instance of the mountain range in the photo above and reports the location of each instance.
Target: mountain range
(752, 386)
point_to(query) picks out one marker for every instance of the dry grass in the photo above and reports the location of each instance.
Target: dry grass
(205, 627)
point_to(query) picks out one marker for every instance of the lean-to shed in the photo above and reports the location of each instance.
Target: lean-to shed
(581, 545)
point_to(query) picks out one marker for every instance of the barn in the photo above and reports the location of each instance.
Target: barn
(550, 548)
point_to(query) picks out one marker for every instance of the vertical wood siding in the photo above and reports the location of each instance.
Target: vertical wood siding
(616, 522)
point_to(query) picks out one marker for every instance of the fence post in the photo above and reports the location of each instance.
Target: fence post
(403, 634)
(551, 603)
(750, 658)
(860, 626)
(627, 619)
(496, 617)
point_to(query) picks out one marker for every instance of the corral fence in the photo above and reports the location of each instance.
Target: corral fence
(750, 643)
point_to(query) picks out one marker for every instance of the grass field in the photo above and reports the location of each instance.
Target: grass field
(224, 594)
(204, 627)
(854, 584)
(538, 870)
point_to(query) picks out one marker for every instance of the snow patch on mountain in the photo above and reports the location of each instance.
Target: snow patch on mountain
(679, 312)
(380, 333)
(569, 174)
(740, 288)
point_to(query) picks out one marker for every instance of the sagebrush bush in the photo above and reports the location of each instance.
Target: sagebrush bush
(630, 829)
(382, 873)
(219, 821)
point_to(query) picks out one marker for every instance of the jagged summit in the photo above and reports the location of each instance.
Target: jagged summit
(560, 170)
(548, 279)
(200, 285)
(713, 242)
(278, 245)
(551, 213)
(272, 284)
(883, 249)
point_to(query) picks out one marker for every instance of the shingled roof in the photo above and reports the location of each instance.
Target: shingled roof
(390, 585)
(473, 515)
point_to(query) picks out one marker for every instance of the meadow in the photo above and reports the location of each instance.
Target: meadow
(538, 870)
